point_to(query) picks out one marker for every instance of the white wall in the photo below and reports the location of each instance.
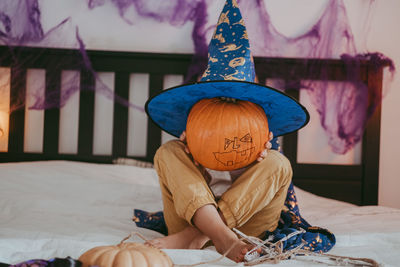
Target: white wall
(384, 36)
(147, 36)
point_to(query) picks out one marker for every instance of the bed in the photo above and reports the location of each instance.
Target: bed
(56, 202)
(63, 208)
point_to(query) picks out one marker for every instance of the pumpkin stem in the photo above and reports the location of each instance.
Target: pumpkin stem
(130, 235)
(228, 99)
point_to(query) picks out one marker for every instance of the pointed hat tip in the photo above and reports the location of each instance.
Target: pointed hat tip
(229, 56)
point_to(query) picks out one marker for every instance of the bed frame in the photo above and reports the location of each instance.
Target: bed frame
(352, 183)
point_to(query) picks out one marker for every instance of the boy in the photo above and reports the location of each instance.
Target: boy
(195, 215)
(195, 210)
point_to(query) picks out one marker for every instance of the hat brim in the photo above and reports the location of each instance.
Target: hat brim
(170, 108)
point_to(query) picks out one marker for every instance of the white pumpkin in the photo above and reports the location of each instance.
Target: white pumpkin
(128, 254)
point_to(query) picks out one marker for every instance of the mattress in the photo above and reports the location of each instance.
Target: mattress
(63, 208)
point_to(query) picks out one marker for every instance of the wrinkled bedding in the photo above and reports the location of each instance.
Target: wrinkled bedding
(62, 208)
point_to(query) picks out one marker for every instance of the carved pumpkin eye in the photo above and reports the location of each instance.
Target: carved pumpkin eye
(246, 139)
(226, 135)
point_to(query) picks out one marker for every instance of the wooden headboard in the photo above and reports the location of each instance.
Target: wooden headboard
(352, 183)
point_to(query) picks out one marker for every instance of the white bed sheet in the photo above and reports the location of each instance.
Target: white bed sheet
(61, 208)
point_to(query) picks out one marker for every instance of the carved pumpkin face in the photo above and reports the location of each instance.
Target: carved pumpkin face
(226, 134)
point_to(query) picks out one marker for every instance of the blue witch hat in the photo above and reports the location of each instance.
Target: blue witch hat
(230, 73)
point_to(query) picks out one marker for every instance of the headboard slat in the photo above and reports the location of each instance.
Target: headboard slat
(120, 132)
(371, 140)
(52, 115)
(17, 103)
(290, 140)
(86, 114)
(154, 132)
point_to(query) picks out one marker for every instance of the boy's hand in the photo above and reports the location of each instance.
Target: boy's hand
(268, 146)
(182, 137)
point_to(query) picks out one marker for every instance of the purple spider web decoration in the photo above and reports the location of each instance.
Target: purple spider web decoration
(344, 108)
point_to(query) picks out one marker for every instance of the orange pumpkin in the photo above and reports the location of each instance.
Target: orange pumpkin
(125, 255)
(226, 134)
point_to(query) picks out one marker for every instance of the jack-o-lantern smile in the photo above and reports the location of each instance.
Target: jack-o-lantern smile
(235, 156)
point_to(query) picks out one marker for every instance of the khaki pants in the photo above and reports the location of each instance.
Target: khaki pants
(252, 204)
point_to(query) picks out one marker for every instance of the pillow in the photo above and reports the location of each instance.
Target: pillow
(133, 162)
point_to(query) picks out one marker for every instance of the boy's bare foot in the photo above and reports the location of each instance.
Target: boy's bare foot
(188, 238)
(210, 222)
(234, 248)
(210, 225)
